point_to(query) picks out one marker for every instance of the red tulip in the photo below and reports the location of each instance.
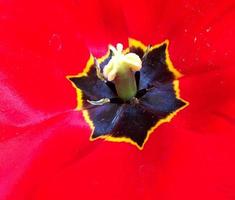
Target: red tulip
(45, 152)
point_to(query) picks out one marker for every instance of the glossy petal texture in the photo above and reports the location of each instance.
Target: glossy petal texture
(162, 100)
(155, 62)
(94, 88)
(45, 149)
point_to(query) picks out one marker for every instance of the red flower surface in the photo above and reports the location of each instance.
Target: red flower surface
(45, 152)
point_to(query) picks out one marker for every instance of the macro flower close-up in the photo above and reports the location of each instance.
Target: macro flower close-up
(117, 100)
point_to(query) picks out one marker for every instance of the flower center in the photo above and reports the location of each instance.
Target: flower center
(121, 71)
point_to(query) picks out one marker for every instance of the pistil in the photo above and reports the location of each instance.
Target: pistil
(121, 71)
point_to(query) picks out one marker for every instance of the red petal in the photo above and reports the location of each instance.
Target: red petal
(200, 33)
(51, 157)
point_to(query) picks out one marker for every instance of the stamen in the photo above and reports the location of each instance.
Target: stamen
(99, 102)
(98, 70)
(119, 47)
(147, 51)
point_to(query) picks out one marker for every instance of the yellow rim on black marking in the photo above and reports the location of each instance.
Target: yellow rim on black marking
(136, 44)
